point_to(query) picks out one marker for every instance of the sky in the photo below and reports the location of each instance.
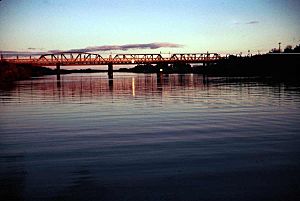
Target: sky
(153, 26)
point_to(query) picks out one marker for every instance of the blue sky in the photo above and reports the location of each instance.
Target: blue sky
(230, 26)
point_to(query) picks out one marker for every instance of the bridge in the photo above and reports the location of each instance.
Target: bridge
(84, 58)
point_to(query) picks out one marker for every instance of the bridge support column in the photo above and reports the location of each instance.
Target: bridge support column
(58, 70)
(110, 71)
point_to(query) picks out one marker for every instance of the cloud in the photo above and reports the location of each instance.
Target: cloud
(103, 48)
(246, 23)
(252, 22)
(21, 53)
(33, 48)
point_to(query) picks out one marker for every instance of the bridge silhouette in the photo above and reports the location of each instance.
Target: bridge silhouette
(84, 58)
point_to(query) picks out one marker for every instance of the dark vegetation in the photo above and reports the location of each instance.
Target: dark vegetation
(288, 49)
(164, 67)
(276, 65)
(13, 72)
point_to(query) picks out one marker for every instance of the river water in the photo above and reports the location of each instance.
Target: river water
(143, 137)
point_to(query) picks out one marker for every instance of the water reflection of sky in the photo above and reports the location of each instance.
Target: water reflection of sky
(143, 137)
(92, 87)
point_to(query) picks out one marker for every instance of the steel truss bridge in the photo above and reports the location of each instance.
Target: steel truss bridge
(83, 58)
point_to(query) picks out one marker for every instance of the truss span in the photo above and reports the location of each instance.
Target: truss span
(84, 58)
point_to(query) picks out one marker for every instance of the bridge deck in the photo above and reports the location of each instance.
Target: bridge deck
(71, 58)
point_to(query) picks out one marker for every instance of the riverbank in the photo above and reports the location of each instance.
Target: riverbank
(275, 65)
(13, 72)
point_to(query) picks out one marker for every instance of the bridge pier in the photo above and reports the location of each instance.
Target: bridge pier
(110, 71)
(58, 71)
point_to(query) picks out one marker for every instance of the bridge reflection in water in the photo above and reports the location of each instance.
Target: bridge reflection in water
(84, 87)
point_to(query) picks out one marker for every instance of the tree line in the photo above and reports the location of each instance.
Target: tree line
(287, 49)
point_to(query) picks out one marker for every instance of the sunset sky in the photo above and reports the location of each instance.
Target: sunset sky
(221, 26)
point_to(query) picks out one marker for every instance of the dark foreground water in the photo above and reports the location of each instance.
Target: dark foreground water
(142, 138)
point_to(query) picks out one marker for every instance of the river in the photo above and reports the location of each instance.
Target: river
(143, 137)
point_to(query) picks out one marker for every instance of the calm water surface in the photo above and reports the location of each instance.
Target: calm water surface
(139, 137)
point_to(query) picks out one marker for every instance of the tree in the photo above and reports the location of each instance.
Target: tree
(297, 49)
(288, 49)
(274, 50)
